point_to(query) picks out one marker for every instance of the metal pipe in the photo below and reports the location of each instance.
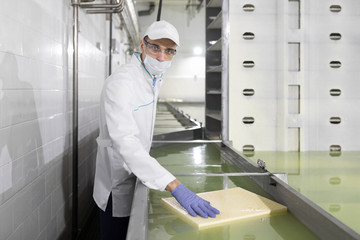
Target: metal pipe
(110, 40)
(99, 5)
(221, 174)
(75, 121)
(159, 11)
(101, 11)
(225, 32)
(188, 141)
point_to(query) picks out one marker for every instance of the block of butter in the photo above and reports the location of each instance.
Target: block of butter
(234, 204)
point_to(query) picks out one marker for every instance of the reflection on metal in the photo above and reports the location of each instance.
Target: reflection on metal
(99, 8)
(138, 224)
(75, 120)
(248, 64)
(248, 92)
(335, 8)
(335, 180)
(248, 120)
(225, 33)
(335, 36)
(248, 7)
(261, 163)
(281, 176)
(335, 64)
(249, 36)
(187, 141)
(335, 92)
(335, 120)
(248, 148)
(222, 174)
(335, 148)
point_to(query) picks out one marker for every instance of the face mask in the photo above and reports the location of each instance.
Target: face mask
(156, 67)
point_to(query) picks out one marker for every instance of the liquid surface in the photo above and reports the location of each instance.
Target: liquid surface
(329, 180)
(205, 158)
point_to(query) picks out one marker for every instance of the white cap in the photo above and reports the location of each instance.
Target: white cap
(162, 29)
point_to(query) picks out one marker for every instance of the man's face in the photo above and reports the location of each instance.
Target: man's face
(162, 49)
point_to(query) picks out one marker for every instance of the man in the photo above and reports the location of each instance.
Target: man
(127, 109)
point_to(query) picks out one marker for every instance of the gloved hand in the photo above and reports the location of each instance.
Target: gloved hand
(193, 203)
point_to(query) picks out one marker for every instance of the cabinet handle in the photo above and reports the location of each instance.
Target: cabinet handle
(335, 64)
(249, 148)
(335, 8)
(248, 92)
(248, 64)
(335, 92)
(248, 36)
(335, 36)
(335, 120)
(248, 8)
(248, 120)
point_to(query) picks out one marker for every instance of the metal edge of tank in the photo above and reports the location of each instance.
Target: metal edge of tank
(138, 224)
(320, 222)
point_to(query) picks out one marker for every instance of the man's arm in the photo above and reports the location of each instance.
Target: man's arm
(172, 185)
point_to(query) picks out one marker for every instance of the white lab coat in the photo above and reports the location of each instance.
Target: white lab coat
(127, 115)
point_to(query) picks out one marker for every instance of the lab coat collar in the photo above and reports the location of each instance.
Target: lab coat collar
(136, 59)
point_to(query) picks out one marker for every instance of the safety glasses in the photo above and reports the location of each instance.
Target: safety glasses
(155, 49)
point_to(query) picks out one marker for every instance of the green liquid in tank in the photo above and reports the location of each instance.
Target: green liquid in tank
(205, 158)
(329, 179)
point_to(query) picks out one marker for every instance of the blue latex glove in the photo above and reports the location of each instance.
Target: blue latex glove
(193, 203)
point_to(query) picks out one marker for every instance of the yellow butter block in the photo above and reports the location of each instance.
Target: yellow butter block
(234, 204)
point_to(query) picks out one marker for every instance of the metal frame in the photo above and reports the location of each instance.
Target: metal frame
(191, 130)
(99, 8)
(307, 212)
(225, 32)
(138, 224)
(75, 122)
(321, 223)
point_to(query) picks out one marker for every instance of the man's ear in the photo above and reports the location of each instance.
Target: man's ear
(142, 44)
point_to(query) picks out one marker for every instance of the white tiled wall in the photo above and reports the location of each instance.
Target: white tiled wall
(35, 115)
(292, 105)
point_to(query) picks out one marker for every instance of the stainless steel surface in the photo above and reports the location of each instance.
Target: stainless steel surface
(221, 174)
(187, 141)
(138, 223)
(100, 5)
(75, 121)
(225, 31)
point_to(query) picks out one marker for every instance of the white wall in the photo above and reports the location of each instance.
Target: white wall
(292, 104)
(186, 78)
(35, 115)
